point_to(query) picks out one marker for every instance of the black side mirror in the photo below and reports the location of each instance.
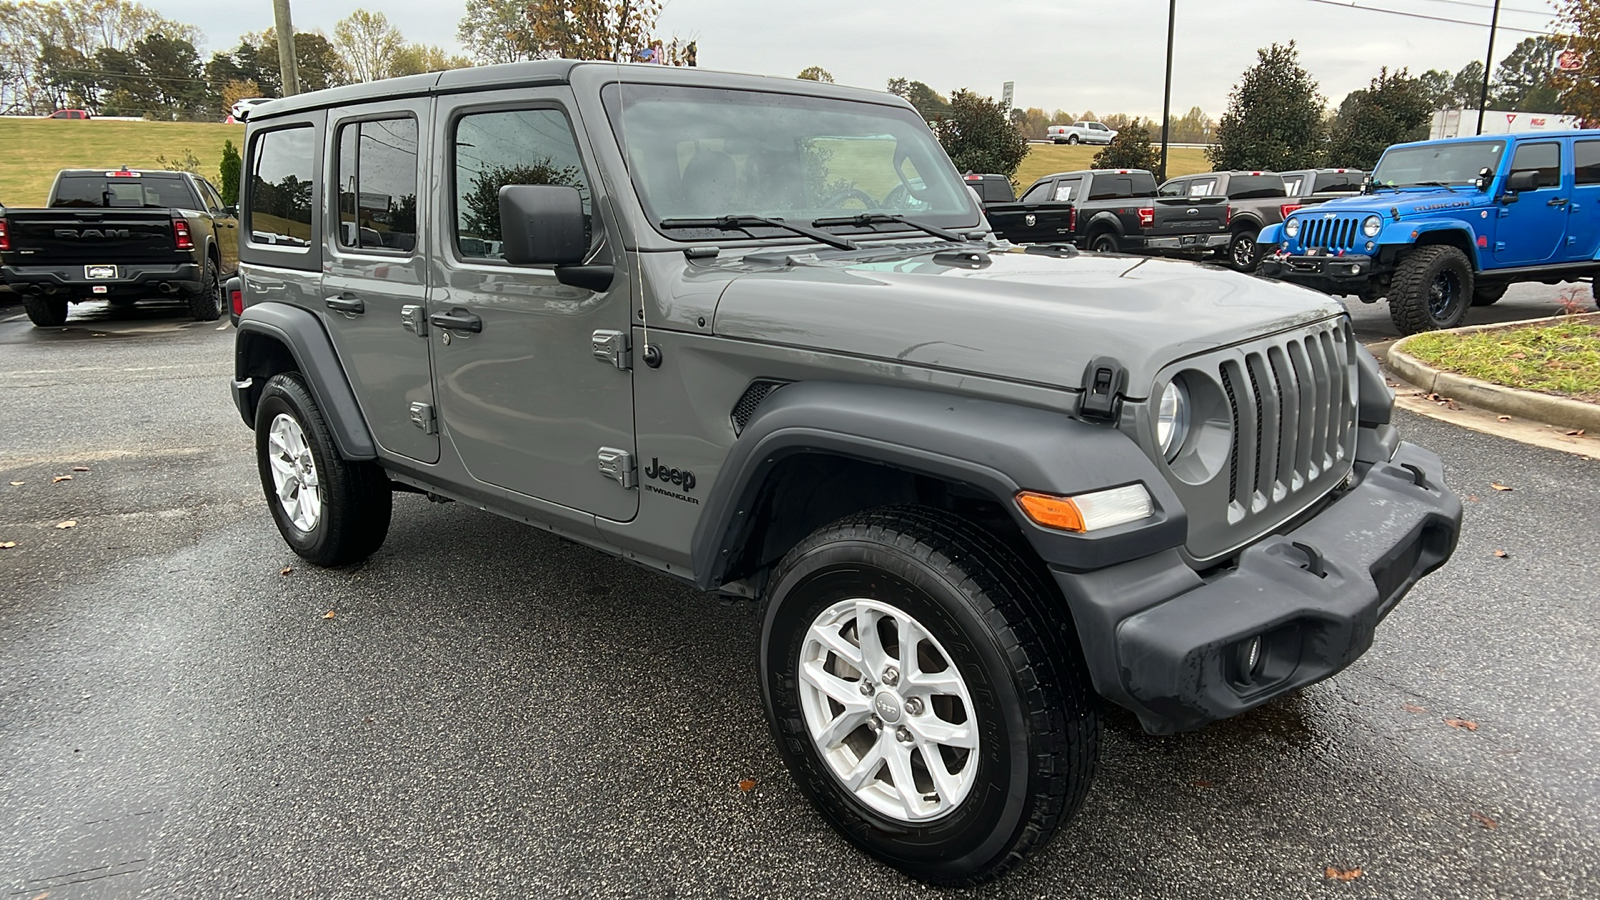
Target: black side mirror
(542, 225)
(1522, 181)
(1485, 176)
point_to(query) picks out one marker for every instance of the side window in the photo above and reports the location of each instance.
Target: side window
(378, 185)
(1204, 187)
(281, 174)
(1586, 161)
(1174, 189)
(209, 195)
(1066, 191)
(1291, 185)
(1038, 193)
(494, 149)
(1544, 158)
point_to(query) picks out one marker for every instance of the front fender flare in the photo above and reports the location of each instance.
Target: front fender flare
(1401, 234)
(996, 447)
(306, 340)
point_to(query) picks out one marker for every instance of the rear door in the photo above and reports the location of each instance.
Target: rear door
(524, 399)
(374, 281)
(1583, 212)
(1531, 230)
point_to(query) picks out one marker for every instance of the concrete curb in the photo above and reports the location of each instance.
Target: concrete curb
(1527, 405)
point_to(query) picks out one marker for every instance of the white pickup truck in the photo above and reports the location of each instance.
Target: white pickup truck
(1080, 133)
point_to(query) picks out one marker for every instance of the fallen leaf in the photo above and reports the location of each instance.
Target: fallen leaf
(1505, 418)
(330, 614)
(1519, 356)
(1501, 554)
(70, 523)
(60, 478)
(286, 570)
(47, 893)
(80, 468)
(1472, 498)
(1451, 404)
(1468, 724)
(747, 785)
(7, 545)
(18, 483)
(1412, 708)
(1484, 820)
(1578, 433)
(1513, 368)
(1333, 874)
(1499, 487)
(1201, 783)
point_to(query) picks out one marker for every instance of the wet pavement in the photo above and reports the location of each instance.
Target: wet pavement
(493, 712)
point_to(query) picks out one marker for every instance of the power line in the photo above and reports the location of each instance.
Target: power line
(1504, 9)
(1412, 15)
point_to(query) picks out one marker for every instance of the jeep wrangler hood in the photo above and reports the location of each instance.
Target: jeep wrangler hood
(1021, 317)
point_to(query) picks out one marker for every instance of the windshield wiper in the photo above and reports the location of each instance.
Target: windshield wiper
(745, 223)
(865, 219)
(1443, 184)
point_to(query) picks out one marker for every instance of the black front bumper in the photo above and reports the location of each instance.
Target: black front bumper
(1170, 645)
(1332, 274)
(131, 278)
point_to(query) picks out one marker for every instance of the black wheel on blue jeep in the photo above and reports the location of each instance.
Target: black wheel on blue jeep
(926, 692)
(45, 312)
(331, 511)
(1488, 294)
(1432, 289)
(1594, 291)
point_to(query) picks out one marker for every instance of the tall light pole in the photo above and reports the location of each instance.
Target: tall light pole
(286, 63)
(1488, 61)
(1166, 96)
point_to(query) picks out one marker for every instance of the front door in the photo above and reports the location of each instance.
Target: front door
(1532, 227)
(224, 223)
(525, 402)
(375, 272)
(1583, 211)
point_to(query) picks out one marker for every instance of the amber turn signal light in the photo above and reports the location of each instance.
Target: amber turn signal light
(1051, 511)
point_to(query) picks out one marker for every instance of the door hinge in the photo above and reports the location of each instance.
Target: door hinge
(617, 465)
(414, 321)
(422, 417)
(612, 347)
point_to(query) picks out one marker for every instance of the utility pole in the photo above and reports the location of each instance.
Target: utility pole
(1166, 96)
(1488, 62)
(286, 62)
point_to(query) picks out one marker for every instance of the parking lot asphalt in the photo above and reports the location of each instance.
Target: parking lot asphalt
(482, 710)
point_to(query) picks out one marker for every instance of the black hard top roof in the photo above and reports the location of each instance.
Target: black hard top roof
(110, 169)
(547, 72)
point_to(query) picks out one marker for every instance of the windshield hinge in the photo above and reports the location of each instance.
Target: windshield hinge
(1103, 385)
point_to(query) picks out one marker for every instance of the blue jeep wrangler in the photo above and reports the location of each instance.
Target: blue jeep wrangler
(1445, 225)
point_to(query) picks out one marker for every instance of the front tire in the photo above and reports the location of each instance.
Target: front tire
(205, 304)
(1242, 252)
(1432, 289)
(45, 312)
(901, 641)
(330, 511)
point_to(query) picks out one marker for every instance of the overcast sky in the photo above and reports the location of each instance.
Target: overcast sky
(1104, 55)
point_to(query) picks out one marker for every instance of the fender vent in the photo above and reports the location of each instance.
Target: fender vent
(751, 400)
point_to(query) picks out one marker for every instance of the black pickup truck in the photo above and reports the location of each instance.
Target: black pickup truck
(1117, 211)
(1035, 221)
(121, 236)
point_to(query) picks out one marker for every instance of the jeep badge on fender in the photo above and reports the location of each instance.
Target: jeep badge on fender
(959, 562)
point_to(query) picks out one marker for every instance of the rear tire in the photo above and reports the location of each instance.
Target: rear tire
(1432, 289)
(45, 312)
(205, 304)
(1024, 751)
(1488, 294)
(330, 511)
(1105, 242)
(1072, 139)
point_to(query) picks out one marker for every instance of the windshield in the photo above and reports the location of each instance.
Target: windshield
(1437, 164)
(698, 152)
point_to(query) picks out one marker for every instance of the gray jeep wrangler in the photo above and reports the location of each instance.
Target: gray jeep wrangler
(755, 334)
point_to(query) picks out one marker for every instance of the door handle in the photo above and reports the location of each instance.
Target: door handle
(346, 303)
(457, 319)
(1557, 201)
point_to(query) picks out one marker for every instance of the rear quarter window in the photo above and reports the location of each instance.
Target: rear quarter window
(282, 172)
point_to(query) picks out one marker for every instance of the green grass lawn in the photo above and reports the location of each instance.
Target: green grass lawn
(36, 148)
(1561, 358)
(1048, 159)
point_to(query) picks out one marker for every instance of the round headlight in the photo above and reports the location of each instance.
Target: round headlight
(1172, 420)
(1371, 225)
(1292, 228)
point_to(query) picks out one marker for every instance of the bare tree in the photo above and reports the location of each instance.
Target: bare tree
(368, 44)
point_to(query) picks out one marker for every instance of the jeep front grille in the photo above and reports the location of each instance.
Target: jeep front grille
(1289, 402)
(1338, 233)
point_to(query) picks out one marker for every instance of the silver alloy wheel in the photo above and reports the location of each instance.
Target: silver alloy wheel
(888, 710)
(294, 473)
